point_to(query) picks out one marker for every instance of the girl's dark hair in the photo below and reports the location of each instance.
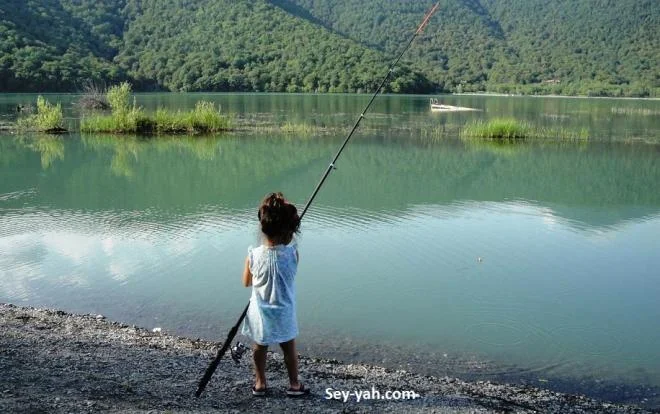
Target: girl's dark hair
(279, 218)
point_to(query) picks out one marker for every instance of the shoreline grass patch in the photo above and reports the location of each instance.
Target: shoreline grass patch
(299, 128)
(303, 129)
(499, 129)
(48, 118)
(511, 130)
(127, 118)
(635, 111)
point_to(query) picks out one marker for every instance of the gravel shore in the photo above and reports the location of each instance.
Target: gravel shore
(52, 361)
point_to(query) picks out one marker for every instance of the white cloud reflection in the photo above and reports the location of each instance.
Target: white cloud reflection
(40, 254)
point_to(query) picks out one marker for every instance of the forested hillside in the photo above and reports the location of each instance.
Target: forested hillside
(57, 45)
(225, 45)
(595, 47)
(598, 47)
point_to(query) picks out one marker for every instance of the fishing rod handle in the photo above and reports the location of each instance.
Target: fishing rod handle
(221, 352)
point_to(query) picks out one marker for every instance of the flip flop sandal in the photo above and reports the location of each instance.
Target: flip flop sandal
(259, 393)
(300, 392)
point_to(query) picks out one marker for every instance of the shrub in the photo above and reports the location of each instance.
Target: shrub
(93, 98)
(48, 118)
(119, 98)
(498, 129)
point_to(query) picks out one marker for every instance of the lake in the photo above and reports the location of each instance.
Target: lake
(535, 263)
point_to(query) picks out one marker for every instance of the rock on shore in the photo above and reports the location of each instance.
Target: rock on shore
(53, 361)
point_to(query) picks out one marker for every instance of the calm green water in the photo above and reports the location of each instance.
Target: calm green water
(536, 261)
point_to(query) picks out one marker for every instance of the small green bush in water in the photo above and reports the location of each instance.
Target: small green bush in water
(119, 98)
(498, 129)
(49, 118)
(207, 117)
(508, 130)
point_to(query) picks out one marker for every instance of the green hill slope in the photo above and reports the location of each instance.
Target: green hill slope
(595, 47)
(52, 45)
(228, 45)
(598, 47)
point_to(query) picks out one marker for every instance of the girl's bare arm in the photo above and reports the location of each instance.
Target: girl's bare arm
(247, 275)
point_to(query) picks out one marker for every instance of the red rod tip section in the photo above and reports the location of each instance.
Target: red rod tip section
(427, 17)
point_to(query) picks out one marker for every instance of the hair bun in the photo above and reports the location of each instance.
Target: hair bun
(279, 219)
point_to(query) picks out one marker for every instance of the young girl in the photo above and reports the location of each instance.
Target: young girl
(271, 269)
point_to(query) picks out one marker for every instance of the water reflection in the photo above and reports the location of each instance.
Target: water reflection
(50, 147)
(129, 149)
(589, 185)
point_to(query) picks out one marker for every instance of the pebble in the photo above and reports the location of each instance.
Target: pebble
(101, 356)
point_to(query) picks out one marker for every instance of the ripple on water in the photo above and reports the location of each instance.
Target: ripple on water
(17, 195)
(594, 344)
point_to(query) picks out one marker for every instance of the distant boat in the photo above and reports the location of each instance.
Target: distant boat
(438, 107)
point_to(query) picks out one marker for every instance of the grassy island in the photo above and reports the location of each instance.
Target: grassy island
(128, 118)
(512, 130)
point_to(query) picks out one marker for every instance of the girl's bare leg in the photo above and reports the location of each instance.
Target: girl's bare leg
(291, 362)
(259, 358)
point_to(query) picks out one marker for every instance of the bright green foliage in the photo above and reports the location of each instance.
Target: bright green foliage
(119, 98)
(124, 118)
(127, 118)
(568, 47)
(204, 118)
(498, 129)
(48, 118)
(120, 123)
(511, 130)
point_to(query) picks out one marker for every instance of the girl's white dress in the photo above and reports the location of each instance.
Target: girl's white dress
(271, 315)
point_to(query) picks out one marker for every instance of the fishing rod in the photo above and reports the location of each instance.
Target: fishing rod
(232, 332)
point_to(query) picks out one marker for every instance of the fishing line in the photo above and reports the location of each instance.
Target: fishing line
(232, 332)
